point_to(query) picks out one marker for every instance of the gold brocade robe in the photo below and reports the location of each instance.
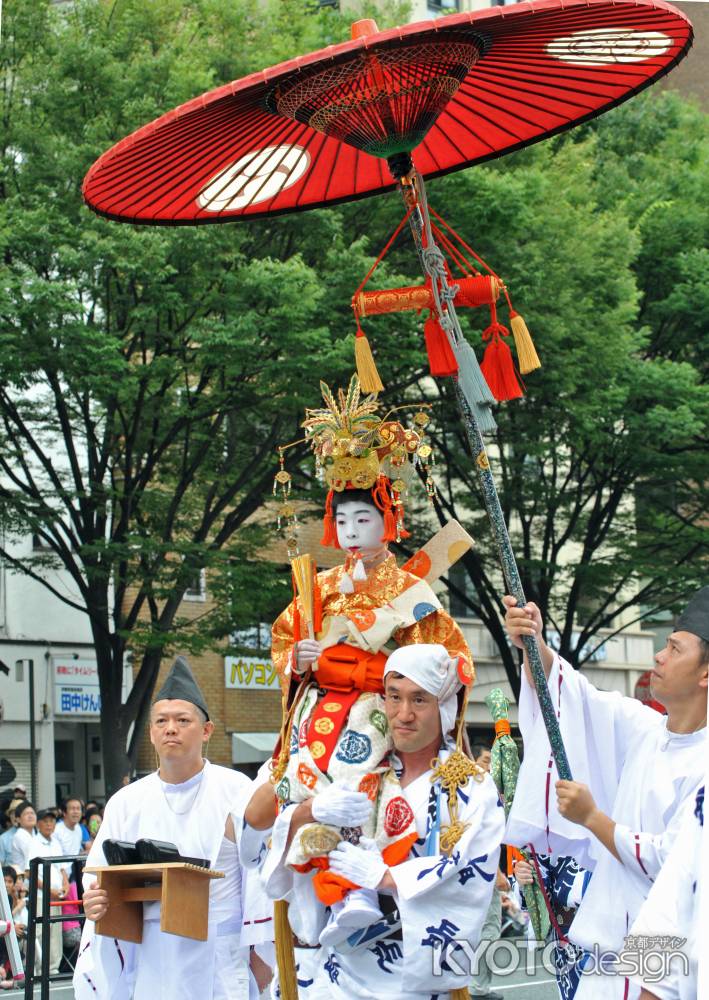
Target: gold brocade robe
(390, 608)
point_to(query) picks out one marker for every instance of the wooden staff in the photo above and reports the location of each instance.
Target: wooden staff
(304, 570)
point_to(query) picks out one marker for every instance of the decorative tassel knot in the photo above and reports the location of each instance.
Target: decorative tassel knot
(441, 358)
(329, 537)
(497, 365)
(366, 366)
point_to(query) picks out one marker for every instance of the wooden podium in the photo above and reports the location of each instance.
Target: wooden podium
(182, 890)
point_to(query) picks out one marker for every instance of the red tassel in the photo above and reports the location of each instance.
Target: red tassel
(389, 526)
(497, 365)
(329, 536)
(403, 533)
(441, 358)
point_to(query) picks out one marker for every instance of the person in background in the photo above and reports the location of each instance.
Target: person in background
(17, 894)
(93, 823)
(7, 838)
(68, 831)
(46, 845)
(482, 755)
(26, 831)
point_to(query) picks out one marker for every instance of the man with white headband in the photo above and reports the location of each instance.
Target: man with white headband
(434, 902)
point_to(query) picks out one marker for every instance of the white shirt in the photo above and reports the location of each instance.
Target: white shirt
(48, 848)
(21, 848)
(70, 840)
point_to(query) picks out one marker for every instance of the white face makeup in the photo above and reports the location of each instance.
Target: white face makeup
(360, 527)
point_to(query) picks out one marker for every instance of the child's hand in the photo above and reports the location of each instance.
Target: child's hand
(306, 653)
(341, 807)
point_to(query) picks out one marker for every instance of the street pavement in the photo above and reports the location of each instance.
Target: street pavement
(540, 986)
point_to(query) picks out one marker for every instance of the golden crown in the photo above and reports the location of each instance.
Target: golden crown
(354, 447)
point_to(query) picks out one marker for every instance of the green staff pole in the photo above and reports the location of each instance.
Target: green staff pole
(413, 190)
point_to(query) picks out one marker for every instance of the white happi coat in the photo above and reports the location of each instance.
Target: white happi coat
(167, 966)
(440, 899)
(673, 918)
(639, 773)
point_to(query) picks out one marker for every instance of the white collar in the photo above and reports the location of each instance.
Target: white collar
(170, 787)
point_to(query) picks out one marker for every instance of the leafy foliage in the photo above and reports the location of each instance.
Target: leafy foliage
(147, 375)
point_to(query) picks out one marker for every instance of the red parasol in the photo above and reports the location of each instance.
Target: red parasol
(341, 123)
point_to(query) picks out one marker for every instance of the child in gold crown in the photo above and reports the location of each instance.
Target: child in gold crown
(337, 738)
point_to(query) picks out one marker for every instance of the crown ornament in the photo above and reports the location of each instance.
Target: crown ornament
(355, 447)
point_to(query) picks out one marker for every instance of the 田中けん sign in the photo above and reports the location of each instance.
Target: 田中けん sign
(76, 687)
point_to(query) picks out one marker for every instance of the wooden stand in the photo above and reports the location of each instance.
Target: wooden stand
(182, 889)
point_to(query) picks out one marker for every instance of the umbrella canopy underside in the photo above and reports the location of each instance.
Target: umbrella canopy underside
(319, 129)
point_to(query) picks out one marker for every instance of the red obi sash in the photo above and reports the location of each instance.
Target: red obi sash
(344, 672)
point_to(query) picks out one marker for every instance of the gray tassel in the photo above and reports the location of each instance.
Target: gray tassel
(474, 387)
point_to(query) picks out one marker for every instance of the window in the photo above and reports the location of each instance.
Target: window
(460, 579)
(443, 6)
(197, 587)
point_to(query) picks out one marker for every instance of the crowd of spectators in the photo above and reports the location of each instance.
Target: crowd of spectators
(64, 831)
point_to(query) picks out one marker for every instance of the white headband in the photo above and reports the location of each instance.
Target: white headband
(431, 667)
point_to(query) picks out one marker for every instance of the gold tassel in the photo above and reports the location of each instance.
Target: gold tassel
(527, 357)
(462, 993)
(366, 367)
(285, 956)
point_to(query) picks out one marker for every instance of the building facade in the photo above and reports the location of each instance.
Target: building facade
(45, 644)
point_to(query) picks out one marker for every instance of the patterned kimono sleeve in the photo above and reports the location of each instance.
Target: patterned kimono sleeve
(437, 627)
(566, 883)
(282, 640)
(443, 900)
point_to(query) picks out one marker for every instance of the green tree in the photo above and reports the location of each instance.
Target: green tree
(147, 375)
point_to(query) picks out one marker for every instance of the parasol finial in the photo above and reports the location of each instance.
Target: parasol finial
(367, 26)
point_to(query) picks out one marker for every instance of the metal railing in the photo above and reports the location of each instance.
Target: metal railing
(42, 923)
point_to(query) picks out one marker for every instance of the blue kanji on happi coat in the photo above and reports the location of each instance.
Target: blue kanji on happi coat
(440, 866)
(301, 982)
(332, 968)
(699, 806)
(473, 868)
(387, 953)
(355, 748)
(441, 937)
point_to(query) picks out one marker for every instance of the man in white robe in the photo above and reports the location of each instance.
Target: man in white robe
(194, 805)
(634, 769)
(435, 901)
(670, 931)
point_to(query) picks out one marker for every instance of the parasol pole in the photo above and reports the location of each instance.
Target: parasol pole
(414, 193)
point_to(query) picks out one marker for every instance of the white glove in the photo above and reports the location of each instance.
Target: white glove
(338, 806)
(361, 865)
